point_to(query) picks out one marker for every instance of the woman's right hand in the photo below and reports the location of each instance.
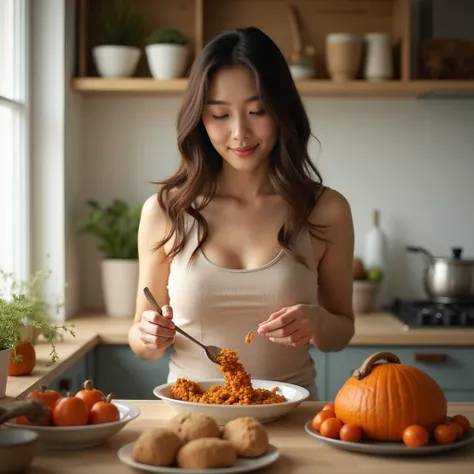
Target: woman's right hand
(156, 331)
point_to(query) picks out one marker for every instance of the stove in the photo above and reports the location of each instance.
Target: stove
(429, 314)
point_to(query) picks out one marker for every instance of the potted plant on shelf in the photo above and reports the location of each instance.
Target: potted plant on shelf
(167, 53)
(116, 228)
(117, 56)
(17, 353)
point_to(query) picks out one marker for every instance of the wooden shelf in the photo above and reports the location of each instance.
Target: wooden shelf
(201, 20)
(321, 88)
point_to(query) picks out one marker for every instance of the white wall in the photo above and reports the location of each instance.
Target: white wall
(412, 159)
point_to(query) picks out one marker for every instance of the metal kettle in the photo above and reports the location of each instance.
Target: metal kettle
(448, 279)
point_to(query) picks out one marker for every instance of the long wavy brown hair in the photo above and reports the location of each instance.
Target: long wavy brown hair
(292, 173)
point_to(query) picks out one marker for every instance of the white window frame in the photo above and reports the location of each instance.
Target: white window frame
(17, 218)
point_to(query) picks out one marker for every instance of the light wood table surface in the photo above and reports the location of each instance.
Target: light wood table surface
(299, 452)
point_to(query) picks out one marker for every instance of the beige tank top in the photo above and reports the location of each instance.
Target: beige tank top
(218, 306)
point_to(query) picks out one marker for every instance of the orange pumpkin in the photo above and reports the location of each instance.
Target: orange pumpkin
(27, 363)
(90, 395)
(385, 398)
(104, 412)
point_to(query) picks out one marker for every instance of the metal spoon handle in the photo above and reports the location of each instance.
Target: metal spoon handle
(157, 308)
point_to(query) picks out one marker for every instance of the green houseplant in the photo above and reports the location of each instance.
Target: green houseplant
(115, 227)
(22, 307)
(121, 27)
(167, 53)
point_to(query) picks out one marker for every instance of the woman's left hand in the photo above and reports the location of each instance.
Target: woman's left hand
(289, 326)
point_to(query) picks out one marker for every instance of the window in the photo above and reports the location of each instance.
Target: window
(14, 149)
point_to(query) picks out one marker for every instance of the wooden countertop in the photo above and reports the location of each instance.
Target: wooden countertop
(299, 452)
(376, 329)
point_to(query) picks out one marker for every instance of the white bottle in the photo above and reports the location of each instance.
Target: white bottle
(374, 245)
(378, 58)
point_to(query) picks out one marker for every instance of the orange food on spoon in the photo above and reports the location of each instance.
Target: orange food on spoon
(90, 395)
(444, 434)
(331, 427)
(415, 436)
(320, 417)
(463, 422)
(70, 411)
(351, 432)
(104, 412)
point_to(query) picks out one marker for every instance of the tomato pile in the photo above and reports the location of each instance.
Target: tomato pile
(327, 424)
(88, 406)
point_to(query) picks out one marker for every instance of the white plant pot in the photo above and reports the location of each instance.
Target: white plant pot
(167, 61)
(4, 362)
(116, 61)
(119, 286)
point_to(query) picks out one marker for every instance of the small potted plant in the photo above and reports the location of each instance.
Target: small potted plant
(116, 228)
(167, 53)
(17, 353)
(118, 56)
(41, 308)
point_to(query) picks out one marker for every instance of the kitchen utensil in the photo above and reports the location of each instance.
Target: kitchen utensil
(34, 410)
(448, 279)
(80, 437)
(211, 351)
(264, 413)
(390, 448)
(17, 450)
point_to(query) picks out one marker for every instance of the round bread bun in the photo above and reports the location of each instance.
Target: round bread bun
(247, 435)
(157, 447)
(191, 426)
(207, 453)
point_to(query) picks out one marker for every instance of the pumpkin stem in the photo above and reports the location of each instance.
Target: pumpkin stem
(369, 363)
(43, 388)
(109, 398)
(88, 385)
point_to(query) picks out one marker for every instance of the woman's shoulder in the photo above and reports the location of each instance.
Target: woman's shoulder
(331, 208)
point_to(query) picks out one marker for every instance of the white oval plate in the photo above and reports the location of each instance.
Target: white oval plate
(389, 448)
(224, 413)
(80, 437)
(242, 464)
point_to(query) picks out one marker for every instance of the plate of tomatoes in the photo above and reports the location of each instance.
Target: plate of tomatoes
(78, 421)
(455, 433)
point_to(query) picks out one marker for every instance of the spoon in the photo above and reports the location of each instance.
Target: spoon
(211, 351)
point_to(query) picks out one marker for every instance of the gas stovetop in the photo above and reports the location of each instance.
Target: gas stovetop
(419, 313)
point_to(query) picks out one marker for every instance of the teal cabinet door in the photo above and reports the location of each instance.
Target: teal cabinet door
(72, 379)
(319, 359)
(450, 366)
(119, 371)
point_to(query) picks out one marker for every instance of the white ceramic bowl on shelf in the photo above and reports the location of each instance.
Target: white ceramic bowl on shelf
(81, 437)
(224, 413)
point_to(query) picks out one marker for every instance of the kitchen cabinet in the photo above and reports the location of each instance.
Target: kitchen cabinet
(450, 366)
(119, 371)
(72, 380)
(201, 20)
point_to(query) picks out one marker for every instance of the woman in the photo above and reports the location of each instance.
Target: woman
(245, 234)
